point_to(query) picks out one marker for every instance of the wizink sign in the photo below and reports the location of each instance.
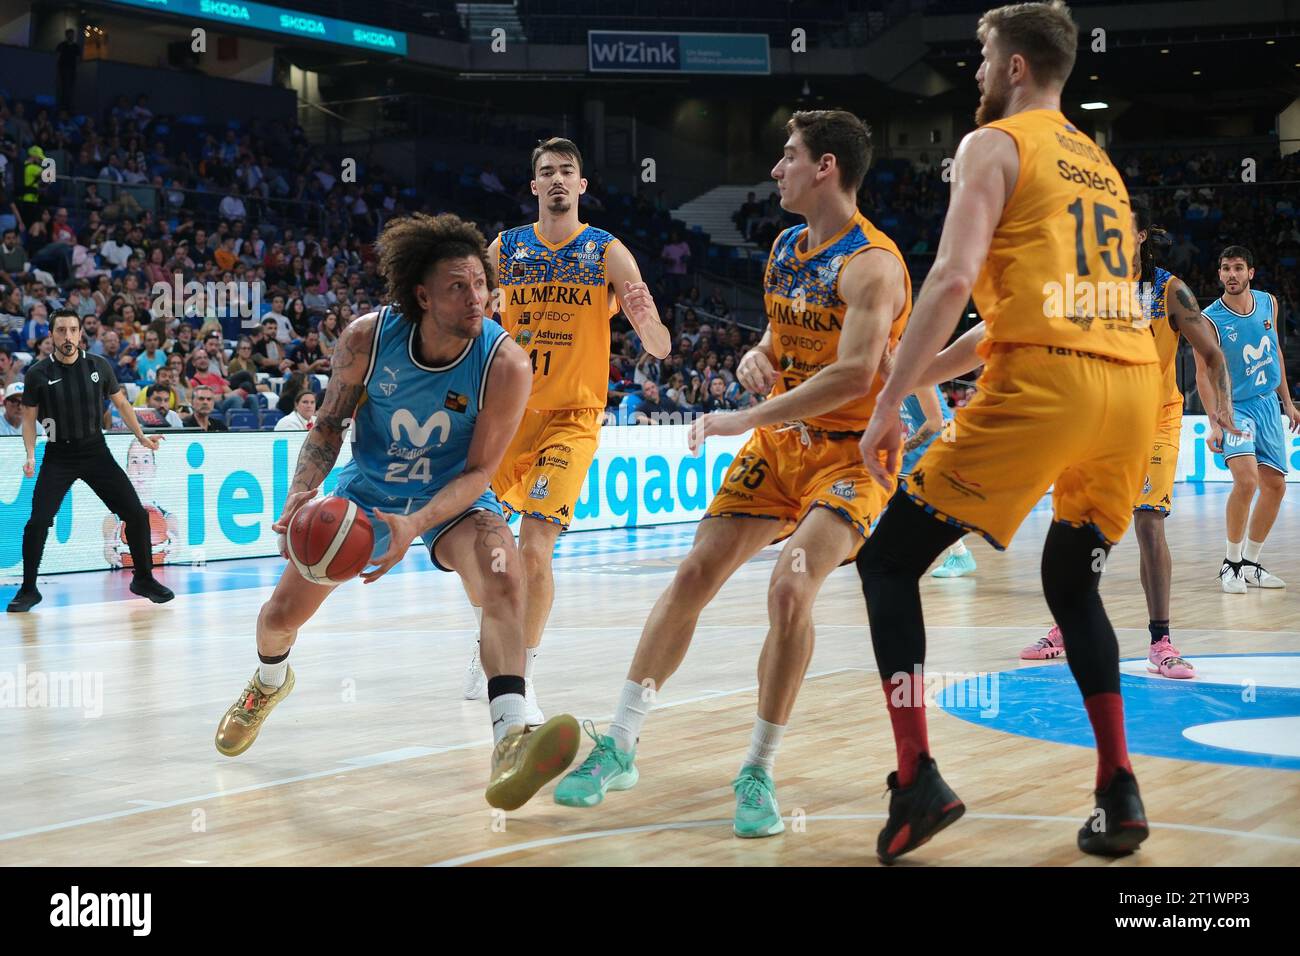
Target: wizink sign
(622, 51)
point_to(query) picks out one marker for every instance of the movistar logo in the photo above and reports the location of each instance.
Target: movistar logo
(404, 421)
(1252, 353)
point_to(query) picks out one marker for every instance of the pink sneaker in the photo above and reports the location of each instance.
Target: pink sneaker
(1053, 645)
(1164, 660)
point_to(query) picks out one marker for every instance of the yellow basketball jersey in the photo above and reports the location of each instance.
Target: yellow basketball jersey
(805, 311)
(1059, 269)
(1156, 303)
(556, 303)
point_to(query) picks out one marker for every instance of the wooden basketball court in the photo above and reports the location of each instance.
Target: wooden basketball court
(375, 759)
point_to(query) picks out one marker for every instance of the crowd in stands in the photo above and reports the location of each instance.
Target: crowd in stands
(141, 199)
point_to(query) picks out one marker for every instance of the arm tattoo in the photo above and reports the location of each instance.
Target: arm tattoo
(1189, 304)
(321, 449)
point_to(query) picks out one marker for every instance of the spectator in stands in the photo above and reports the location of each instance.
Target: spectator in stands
(122, 361)
(267, 352)
(151, 358)
(242, 359)
(329, 332)
(656, 409)
(294, 385)
(112, 170)
(676, 254)
(201, 418)
(717, 400)
(44, 349)
(156, 413)
(215, 348)
(13, 258)
(696, 393)
(116, 252)
(232, 206)
(10, 370)
(67, 53)
(717, 305)
(90, 332)
(749, 210)
(12, 421)
(183, 344)
(309, 358)
(676, 390)
(303, 415)
(490, 181)
(283, 332)
(300, 320)
(164, 377)
(36, 327)
(176, 377)
(34, 188)
(227, 398)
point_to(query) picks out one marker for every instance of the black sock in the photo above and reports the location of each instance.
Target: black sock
(1159, 631)
(505, 684)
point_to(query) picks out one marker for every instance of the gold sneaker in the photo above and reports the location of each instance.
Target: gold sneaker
(242, 722)
(526, 759)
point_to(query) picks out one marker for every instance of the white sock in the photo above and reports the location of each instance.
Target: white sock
(530, 659)
(958, 549)
(272, 675)
(507, 711)
(763, 745)
(1252, 549)
(1234, 551)
(629, 715)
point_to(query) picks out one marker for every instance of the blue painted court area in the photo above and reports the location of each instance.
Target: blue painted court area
(574, 550)
(1241, 709)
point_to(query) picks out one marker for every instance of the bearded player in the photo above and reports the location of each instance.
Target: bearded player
(1069, 399)
(561, 281)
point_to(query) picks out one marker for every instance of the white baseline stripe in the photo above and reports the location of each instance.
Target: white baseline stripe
(701, 824)
(346, 765)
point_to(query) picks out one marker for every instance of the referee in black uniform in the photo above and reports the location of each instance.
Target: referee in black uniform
(67, 391)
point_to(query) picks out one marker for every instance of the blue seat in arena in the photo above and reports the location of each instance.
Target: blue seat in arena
(627, 407)
(270, 417)
(44, 99)
(242, 420)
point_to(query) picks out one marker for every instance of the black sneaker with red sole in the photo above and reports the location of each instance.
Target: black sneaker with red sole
(1119, 821)
(917, 812)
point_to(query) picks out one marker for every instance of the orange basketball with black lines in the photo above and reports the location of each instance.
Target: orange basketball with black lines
(330, 540)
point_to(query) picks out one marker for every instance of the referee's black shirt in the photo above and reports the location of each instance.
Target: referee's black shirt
(72, 396)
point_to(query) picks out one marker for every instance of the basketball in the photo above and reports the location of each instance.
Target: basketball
(330, 540)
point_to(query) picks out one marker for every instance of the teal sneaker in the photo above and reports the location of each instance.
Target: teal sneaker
(956, 566)
(608, 768)
(757, 814)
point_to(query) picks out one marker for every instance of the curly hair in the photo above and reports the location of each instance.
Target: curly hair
(411, 246)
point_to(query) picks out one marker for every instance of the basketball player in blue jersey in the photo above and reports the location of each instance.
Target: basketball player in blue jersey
(561, 281)
(1246, 322)
(924, 414)
(434, 392)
